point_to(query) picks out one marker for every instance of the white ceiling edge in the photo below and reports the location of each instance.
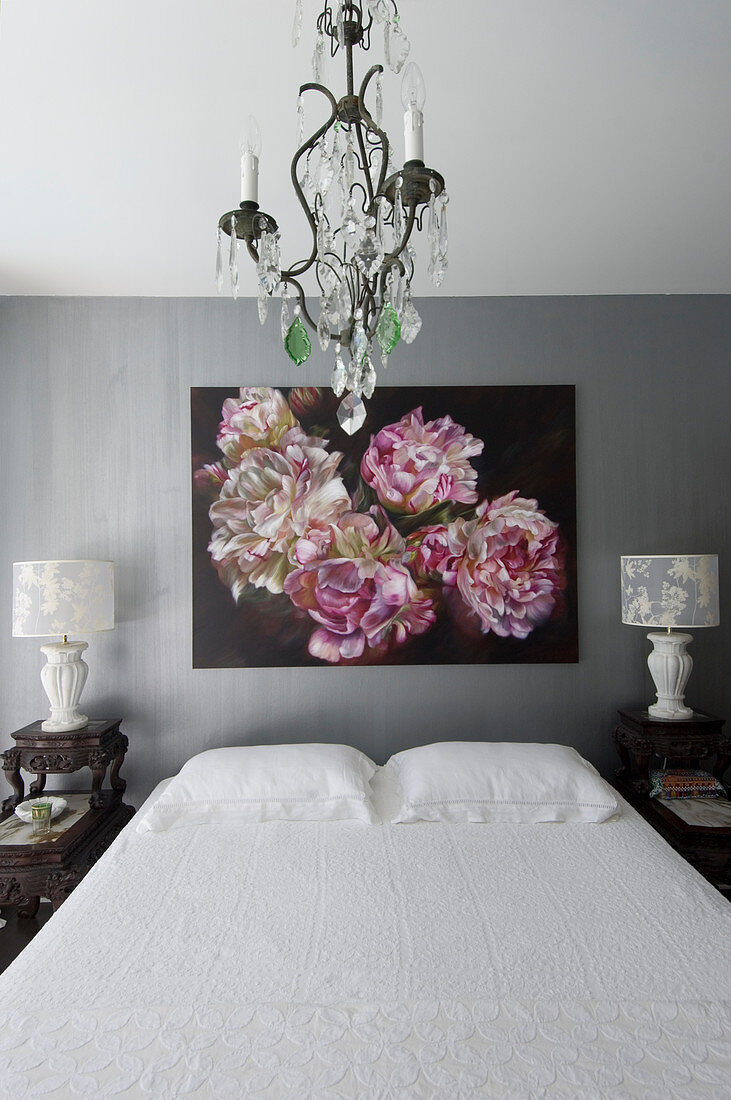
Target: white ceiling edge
(585, 146)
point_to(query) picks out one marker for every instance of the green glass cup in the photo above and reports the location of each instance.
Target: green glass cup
(41, 818)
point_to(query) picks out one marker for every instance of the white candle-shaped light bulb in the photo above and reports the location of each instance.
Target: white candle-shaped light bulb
(413, 98)
(250, 153)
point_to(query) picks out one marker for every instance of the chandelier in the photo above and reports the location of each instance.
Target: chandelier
(362, 211)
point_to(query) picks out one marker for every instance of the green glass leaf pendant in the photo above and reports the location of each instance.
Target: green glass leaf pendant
(388, 329)
(297, 342)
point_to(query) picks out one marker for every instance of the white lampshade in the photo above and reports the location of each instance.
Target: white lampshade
(670, 590)
(62, 597)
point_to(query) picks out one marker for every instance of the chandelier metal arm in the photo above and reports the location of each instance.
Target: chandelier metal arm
(304, 265)
(373, 128)
(300, 298)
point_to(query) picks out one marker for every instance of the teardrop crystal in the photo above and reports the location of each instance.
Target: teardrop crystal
(262, 302)
(351, 414)
(297, 343)
(388, 329)
(368, 382)
(337, 379)
(323, 330)
(317, 59)
(398, 48)
(410, 321)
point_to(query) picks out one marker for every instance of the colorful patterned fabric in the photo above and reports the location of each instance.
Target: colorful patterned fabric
(685, 783)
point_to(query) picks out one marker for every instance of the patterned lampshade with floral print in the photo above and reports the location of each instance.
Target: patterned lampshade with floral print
(670, 590)
(62, 597)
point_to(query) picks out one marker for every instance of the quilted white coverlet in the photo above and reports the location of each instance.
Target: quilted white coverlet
(337, 959)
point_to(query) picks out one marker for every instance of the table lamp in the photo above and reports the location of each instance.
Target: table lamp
(61, 598)
(670, 590)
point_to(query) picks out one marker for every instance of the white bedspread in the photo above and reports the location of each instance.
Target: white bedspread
(346, 960)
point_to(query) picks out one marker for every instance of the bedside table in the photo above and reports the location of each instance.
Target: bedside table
(700, 830)
(96, 746)
(639, 737)
(51, 866)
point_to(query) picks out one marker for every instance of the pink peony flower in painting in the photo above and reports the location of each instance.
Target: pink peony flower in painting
(258, 418)
(413, 466)
(210, 476)
(294, 520)
(362, 595)
(269, 501)
(506, 563)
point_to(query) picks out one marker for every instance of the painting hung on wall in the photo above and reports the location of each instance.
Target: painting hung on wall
(442, 532)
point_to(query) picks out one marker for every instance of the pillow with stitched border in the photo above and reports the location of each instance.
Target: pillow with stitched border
(251, 783)
(481, 781)
(685, 783)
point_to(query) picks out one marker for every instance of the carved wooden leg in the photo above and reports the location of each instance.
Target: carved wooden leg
(15, 780)
(643, 768)
(624, 756)
(118, 784)
(721, 765)
(28, 907)
(98, 761)
(38, 785)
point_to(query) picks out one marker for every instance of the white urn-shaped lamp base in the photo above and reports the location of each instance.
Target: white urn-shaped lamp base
(63, 677)
(670, 667)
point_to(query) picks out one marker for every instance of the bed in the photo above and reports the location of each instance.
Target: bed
(336, 958)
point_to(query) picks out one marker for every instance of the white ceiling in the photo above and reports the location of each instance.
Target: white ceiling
(585, 143)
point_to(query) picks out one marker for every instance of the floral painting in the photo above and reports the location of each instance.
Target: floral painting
(442, 532)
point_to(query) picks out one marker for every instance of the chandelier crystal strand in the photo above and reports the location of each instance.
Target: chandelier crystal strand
(233, 267)
(337, 381)
(364, 196)
(317, 58)
(284, 319)
(297, 24)
(219, 260)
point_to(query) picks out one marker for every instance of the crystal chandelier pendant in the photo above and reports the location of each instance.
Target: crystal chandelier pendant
(297, 342)
(388, 329)
(233, 266)
(351, 414)
(297, 25)
(323, 329)
(284, 319)
(219, 260)
(410, 320)
(338, 378)
(368, 377)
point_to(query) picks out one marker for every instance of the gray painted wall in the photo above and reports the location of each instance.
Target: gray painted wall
(95, 449)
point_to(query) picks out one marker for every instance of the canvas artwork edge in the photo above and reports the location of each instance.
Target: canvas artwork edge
(372, 559)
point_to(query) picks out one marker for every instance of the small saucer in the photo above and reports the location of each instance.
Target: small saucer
(23, 811)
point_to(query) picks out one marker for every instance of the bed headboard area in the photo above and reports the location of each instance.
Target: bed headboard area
(99, 461)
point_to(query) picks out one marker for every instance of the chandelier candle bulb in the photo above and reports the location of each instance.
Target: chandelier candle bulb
(250, 153)
(413, 98)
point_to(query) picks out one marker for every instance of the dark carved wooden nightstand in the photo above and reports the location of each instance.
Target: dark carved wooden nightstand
(96, 746)
(690, 743)
(51, 866)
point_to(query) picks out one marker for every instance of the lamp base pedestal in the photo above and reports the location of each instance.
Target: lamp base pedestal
(670, 667)
(63, 678)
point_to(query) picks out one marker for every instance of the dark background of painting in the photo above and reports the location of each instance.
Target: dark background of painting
(529, 437)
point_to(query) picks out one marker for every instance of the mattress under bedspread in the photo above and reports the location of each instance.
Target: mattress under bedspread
(345, 960)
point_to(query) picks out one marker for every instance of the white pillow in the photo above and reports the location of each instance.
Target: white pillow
(499, 781)
(265, 783)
